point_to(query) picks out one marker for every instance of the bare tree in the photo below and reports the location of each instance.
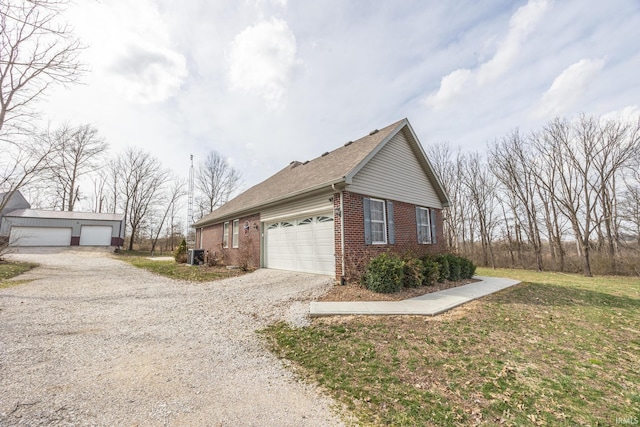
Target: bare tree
(449, 171)
(216, 181)
(21, 166)
(482, 197)
(630, 204)
(78, 153)
(511, 162)
(618, 144)
(140, 179)
(37, 50)
(173, 195)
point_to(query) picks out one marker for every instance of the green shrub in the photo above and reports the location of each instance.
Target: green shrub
(180, 255)
(430, 271)
(384, 274)
(454, 267)
(412, 273)
(443, 268)
(467, 268)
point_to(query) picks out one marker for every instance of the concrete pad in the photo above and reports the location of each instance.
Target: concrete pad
(426, 305)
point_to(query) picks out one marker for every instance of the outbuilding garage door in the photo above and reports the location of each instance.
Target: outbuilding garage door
(95, 235)
(40, 236)
(303, 244)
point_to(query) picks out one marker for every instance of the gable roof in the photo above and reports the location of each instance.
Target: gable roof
(332, 168)
(14, 200)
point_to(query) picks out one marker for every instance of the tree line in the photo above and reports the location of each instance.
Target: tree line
(550, 199)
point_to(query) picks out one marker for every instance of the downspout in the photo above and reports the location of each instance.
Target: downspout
(342, 279)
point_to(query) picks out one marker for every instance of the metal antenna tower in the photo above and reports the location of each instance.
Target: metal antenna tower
(190, 233)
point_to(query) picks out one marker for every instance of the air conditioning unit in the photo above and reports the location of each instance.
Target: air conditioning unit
(195, 257)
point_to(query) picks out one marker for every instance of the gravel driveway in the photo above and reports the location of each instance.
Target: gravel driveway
(95, 341)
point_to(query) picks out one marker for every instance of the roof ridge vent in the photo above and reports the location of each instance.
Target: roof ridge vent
(373, 132)
(324, 154)
(294, 164)
(306, 162)
(348, 143)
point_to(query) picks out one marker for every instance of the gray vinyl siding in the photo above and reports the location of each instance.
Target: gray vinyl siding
(395, 173)
(75, 224)
(295, 209)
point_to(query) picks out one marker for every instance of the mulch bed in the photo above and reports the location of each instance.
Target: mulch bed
(355, 292)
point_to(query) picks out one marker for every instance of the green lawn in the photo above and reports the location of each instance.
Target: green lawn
(10, 270)
(173, 270)
(557, 349)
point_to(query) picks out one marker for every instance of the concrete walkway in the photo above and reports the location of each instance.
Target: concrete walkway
(428, 304)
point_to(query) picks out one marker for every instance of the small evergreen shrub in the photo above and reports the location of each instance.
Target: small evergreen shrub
(430, 271)
(443, 268)
(454, 267)
(180, 255)
(467, 268)
(412, 273)
(384, 274)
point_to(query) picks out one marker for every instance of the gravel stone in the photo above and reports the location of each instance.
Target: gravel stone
(94, 341)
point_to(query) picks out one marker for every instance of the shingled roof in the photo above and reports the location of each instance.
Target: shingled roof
(298, 178)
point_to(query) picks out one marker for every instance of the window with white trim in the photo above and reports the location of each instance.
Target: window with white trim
(423, 218)
(225, 235)
(378, 222)
(236, 233)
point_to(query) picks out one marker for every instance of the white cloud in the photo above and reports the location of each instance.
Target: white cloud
(460, 82)
(262, 60)
(630, 113)
(521, 25)
(567, 88)
(451, 86)
(131, 50)
(147, 73)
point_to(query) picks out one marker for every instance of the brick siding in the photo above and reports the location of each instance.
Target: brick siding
(358, 254)
(248, 250)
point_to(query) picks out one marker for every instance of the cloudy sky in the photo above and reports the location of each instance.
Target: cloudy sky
(266, 82)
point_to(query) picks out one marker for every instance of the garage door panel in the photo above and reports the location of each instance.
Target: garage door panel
(40, 236)
(305, 244)
(95, 235)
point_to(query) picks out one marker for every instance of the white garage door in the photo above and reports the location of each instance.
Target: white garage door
(40, 236)
(95, 235)
(303, 244)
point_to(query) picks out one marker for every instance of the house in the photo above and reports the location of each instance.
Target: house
(31, 227)
(332, 214)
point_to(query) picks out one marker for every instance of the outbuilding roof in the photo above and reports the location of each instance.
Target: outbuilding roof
(36, 213)
(331, 168)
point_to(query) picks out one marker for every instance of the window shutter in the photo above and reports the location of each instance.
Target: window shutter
(392, 232)
(420, 236)
(433, 225)
(367, 220)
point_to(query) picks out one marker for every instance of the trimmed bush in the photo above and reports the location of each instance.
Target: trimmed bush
(443, 268)
(430, 271)
(384, 274)
(412, 273)
(180, 255)
(467, 268)
(454, 268)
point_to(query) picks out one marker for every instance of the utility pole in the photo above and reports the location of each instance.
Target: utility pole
(190, 233)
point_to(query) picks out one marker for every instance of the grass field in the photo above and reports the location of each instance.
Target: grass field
(9, 270)
(173, 270)
(557, 349)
